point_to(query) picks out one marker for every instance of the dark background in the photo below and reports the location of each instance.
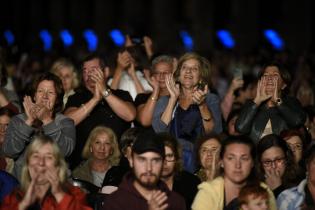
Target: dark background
(162, 20)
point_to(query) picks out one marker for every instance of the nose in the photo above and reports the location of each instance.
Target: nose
(41, 161)
(237, 164)
(149, 166)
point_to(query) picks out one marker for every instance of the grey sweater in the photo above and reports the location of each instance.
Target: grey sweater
(19, 135)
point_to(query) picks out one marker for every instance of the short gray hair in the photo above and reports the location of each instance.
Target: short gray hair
(162, 59)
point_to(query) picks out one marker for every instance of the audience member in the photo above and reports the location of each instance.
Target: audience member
(253, 197)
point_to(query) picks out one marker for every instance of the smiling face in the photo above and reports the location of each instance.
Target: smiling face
(272, 76)
(189, 74)
(237, 163)
(41, 161)
(160, 71)
(46, 93)
(101, 147)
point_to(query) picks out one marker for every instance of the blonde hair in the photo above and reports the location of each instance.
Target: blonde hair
(115, 155)
(64, 63)
(36, 145)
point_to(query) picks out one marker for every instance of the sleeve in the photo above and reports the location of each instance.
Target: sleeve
(213, 104)
(291, 110)
(141, 99)
(204, 199)
(157, 124)
(73, 101)
(10, 202)
(62, 130)
(74, 201)
(17, 136)
(123, 95)
(245, 119)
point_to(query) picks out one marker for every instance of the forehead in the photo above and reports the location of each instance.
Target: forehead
(272, 70)
(43, 149)
(46, 84)
(163, 67)
(148, 155)
(168, 150)
(272, 152)
(65, 70)
(191, 62)
(4, 118)
(102, 136)
(211, 143)
(91, 63)
(294, 139)
(237, 148)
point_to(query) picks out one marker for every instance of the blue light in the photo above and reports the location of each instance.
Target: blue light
(226, 38)
(274, 39)
(46, 39)
(187, 40)
(91, 39)
(9, 37)
(117, 37)
(66, 38)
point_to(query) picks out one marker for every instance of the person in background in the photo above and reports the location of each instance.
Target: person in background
(146, 102)
(253, 197)
(276, 164)
(6, 163)
(208, 150)
(230, 123)
(65, 70)
(101, 153)
(237, 163)
(41, 116)
(190, 110)
(142, 188)
(95, 104)
(44, 181)
(7, 184)
(177, 180)
(272, 110)
(301, 196)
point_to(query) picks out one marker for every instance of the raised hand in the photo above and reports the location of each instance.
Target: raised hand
(131, 70)
(157, 200)
(172, 87)
(199, 96)
(273, 178)
(98, 78)
(261, 94)
(53, 178)
(30, 195)
(30, 109)
(236, 83)
(275, 95)
(123, 60)
(44, 112)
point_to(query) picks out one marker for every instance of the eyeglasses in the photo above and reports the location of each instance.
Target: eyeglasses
(170, 157)
(295, 147)
(192, 69)
(277, 161)
(205, 150)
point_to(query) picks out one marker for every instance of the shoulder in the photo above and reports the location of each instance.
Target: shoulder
(122, 94)
(214, 185)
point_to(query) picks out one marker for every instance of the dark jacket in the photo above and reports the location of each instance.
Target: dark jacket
(127, 197)
(253, 119)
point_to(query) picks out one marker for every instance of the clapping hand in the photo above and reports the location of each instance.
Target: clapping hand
(199, 95)
(172, 87)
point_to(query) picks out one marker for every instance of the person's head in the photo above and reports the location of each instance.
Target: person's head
(48, 90)
(237, 156)
(208, 148)
(273, 153)
(65, 70)
(305, 94)
(253, 197)
(231, 119)
(294, 139)
(172, 161)
(5, 117)
(193, 69)
(127, 139)
(148, 154)
(272, 72)
(102, 145)
(42, 155)
(161, 66)
(89, 66)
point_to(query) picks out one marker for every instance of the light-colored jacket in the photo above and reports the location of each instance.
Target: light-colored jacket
(211, 196)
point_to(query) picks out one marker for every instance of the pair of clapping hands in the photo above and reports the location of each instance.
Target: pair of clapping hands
(41, 111)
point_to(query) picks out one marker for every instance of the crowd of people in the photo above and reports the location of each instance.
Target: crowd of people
(155, 132)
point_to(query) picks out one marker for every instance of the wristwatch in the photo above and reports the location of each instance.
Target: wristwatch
(279, 101)
(106, 92)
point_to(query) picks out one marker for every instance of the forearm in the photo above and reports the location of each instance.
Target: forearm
(116, 78)
(145, 111)
(226, 104)
(167, 114)
(123, 109)
(138, 85)
(207, 119)
(78, 114)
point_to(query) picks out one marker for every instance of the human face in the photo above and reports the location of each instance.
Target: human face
(259, 203)
(209, 149)
(274, 159)
(296, 145)
(272, 76)
(147, 168)
(66, 76)
(40, 161)
(89, 68)
(237, 163)
(160, 71)
(169, 163)
(101, 147)
(4, 122)
(46, 94)
(231, 127)
(189, 74)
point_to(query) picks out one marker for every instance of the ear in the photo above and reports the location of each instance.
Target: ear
(91, 150)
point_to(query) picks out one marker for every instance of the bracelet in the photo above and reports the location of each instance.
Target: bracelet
(153, 98)
(207, 119)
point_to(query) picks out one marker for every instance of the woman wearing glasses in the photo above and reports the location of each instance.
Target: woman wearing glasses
(190, 110)
(276, 164)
